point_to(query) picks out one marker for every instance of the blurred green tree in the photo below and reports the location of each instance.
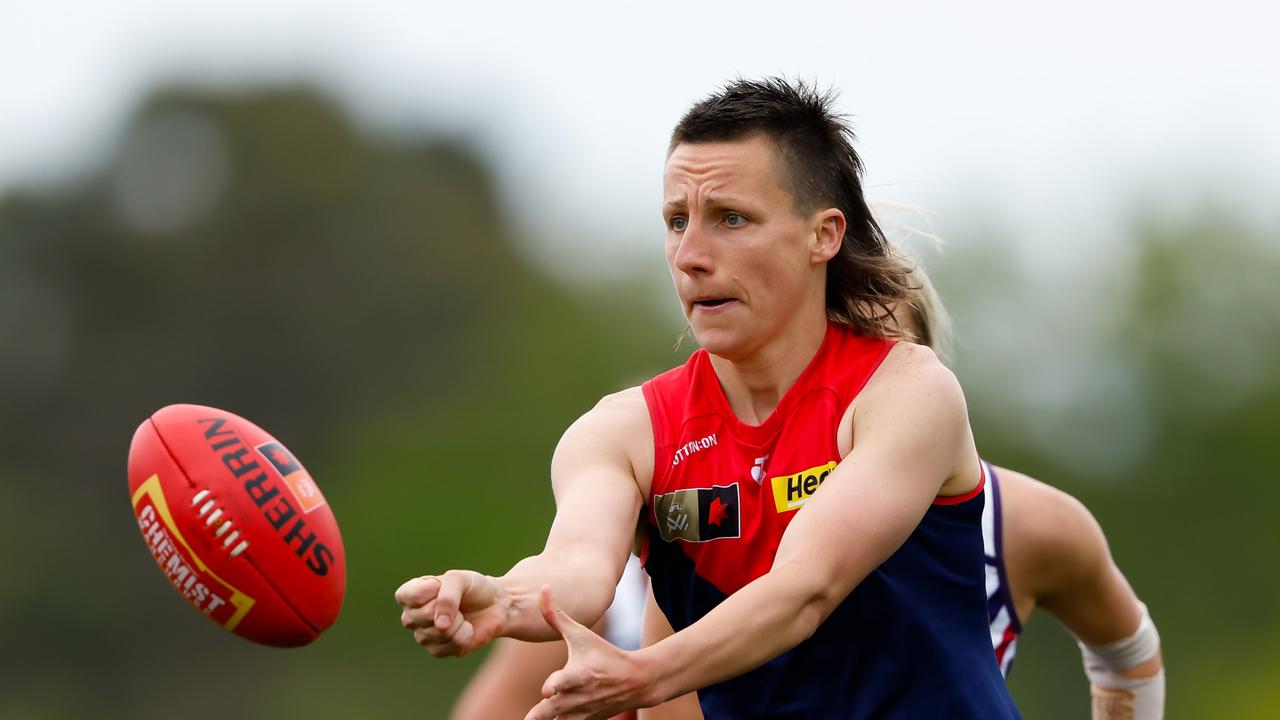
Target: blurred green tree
(360, 298)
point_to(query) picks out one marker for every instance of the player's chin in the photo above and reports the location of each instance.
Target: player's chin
(716, 338)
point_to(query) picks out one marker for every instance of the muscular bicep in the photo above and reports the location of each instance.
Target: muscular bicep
(597, 496)
(593, 476)
(911, 438)
(1100, 609)
(597, 505)
(1088, 594)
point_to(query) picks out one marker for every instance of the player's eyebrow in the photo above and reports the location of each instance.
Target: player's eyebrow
(720, 201)
(715, 201)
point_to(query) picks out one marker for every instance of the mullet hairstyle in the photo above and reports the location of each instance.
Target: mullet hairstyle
(819, 167)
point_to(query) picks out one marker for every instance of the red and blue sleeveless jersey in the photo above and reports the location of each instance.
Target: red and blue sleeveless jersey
(1001, 612)
(910, 641)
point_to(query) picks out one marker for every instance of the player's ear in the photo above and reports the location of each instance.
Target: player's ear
(828, 234)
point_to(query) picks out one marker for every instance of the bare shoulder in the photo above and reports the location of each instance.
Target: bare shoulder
(629, 401)
(915, 402)
(615, 418)
(1050, 536)
(616, 431)
(911, 374)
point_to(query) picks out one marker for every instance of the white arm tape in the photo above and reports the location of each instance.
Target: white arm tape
(1102, 663)
(1124, 654)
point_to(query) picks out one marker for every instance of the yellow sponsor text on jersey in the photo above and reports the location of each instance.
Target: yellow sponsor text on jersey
(792, 491)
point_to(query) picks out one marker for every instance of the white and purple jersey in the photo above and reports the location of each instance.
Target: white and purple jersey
(1001, 612)
(624, 620)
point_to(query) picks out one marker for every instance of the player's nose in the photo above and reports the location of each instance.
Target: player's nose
(693, 252)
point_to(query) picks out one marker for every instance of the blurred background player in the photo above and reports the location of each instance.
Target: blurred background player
(1043, 549)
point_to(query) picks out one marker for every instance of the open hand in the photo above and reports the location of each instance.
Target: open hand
(597, 682)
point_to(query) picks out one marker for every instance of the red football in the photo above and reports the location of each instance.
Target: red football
(237, 525)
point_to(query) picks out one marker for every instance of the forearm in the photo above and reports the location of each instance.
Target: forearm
(583, 586)
(764, 619)
(657, 629)
(1127, 676)
(1136, 694)
(685, 707)
(821, 558)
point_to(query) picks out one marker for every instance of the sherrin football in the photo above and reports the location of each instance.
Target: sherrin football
(237, 525)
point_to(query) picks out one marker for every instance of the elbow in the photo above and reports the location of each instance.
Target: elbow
(814, 607)
(590, 601)
(1137, 657)
(582, 586)
(814, 594)
(809, 618)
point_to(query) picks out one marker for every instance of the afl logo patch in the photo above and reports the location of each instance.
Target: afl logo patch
(698, 514)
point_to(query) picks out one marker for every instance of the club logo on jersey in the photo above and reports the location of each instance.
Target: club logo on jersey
(757, 469)
(698, 514)
(299, 481)
(792, 491)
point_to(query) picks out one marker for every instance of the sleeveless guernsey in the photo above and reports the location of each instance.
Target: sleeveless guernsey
(911, 641)
(1001, 613)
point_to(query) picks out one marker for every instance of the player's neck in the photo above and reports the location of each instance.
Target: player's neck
(754, 385)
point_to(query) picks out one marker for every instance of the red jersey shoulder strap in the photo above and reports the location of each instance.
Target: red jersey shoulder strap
(669, 396)
(848, 362)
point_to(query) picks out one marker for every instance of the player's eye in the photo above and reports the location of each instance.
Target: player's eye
(734, 219)
(678, 223)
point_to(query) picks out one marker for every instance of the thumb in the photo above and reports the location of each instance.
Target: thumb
(559, 620)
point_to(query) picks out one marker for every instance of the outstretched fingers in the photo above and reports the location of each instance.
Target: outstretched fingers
(568, 693)
(551, 709)
(561, 681)
(566, 627)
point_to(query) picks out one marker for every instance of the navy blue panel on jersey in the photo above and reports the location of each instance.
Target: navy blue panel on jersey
(900, 646)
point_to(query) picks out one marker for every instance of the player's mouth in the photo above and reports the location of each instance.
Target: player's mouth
(713, 304)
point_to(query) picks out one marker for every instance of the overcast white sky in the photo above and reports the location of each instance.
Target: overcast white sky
(1050, 118)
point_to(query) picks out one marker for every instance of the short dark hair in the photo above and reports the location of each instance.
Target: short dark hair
(820, 168)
